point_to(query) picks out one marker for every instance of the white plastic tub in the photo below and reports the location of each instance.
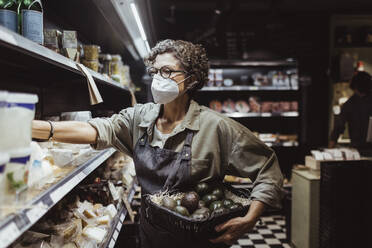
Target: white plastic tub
(15, 123)
(16, 171)
(4, 160)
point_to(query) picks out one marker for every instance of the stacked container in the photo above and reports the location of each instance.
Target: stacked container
(17, 110)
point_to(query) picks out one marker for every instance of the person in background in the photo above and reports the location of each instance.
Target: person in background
(176, 143)
(356, 112)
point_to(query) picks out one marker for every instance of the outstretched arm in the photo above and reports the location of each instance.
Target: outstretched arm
(74, 132)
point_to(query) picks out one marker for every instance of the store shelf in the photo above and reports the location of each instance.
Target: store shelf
(250, 88)
(15, 225)
(284, 144)
(118, 223)
(21, 45)
(274, 63)
(255, 115)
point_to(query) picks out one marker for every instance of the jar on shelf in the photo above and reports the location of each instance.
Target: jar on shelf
(91, 52)
(116, 64)
(92, 64)
(106, 60)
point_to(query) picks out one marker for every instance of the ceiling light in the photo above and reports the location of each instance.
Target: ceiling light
(138, 21)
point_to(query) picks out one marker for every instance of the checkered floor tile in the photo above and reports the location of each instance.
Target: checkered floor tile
(268, 233)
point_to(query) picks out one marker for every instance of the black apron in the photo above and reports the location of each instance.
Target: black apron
(158, 170)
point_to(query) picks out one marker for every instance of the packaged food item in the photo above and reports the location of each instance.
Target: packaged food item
(70, 45)
(285, 106)
(106, 60)
(218, 77)
(228, 106)
(39, 169)
(95, 233)
(242, 107)
(91, 52)
(115, 65)
(266, 107)
(92, 64)
(216, 106)
(211, 78)
(4, 160)
(294, 106)
(76, 116)
(52, 38)
(16, 119)
(111, 211)
(254, 105)
(16, 170)
(62, 157)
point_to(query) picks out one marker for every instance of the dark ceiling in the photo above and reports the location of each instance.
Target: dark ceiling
(233, 28)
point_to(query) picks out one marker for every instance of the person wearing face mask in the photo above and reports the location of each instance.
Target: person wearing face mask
(176, 143)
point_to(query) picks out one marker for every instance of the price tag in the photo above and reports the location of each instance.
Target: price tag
(8, 234)
(59, 193)
(122, 217)
(112, 244)
(119, 225)
(266, 114)
(115, 235)
(36, 212)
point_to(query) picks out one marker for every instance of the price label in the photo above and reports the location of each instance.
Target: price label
(115, 235)
(59, 193)
(119, 225)
(36, 212)
(112, 244)
(8, 234)
(266, 114)
(122, 217)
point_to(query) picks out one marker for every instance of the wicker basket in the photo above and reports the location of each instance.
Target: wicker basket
(187, 227)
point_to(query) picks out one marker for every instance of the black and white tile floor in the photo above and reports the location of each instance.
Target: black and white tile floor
(270, 232)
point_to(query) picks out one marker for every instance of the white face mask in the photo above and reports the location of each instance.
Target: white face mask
(164, 90)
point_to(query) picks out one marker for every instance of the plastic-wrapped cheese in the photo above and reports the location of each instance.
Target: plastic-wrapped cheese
(94, 233)
(61, 157)
(104, 220)
(111, 211)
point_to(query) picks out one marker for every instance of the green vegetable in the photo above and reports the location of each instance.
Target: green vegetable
(169, 203)
(182, 211)
(227, 203)
(218, 192)
(215, 205)
(202, 189)
(208, 199)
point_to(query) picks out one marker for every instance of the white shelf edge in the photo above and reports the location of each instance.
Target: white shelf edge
(247, 115)
(249, 88)
(116, 227)
(15, 40)
(46, 200)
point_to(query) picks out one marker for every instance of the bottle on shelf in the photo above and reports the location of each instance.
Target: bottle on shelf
(8, 14)
(30, 14)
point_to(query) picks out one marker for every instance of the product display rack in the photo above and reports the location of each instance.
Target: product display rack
(286, 122)
(15, 225)
(118, 222)
(62, 87)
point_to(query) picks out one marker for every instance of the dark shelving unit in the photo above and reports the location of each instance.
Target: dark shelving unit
(289, 122)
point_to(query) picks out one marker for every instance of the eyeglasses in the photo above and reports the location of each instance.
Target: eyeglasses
(165, 72)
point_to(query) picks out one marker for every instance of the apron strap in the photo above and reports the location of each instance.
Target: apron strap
(186, 150)
(142, 141)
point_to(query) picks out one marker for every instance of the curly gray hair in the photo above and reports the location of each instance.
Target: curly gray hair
(192, 57)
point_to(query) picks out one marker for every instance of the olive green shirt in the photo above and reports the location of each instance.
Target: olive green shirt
(220, 146)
